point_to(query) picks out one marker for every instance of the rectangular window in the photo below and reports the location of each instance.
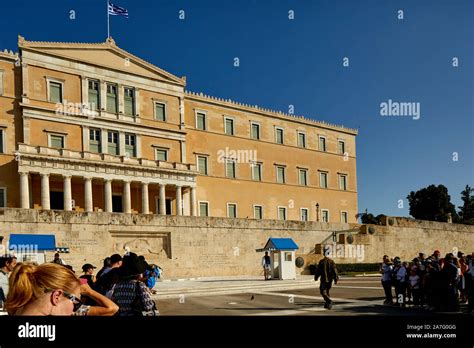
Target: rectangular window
(288, 256)
(281, 213)
(203, 209)
(325, 215)
(160, 112)
(162, 155)
(258, 212)
(322, 143)
(257, 171)
(113, 143)
(344, 217)
(343, 182)
(304, 214)
(303, 176)
(279, 135)
(280, 174)
(130, 145)
(201, 121)
(232, 210)
(56, 141)
(129, 101)
(3, 197)
(301, 140)
(202, 165)
(94, 96)
(255, 131)
(112, 98)
(341, 146)
(1, 82)
(2, 139)
(323, 180)
(230, 169)
(55, 92)
(229, 126)
(94, 140)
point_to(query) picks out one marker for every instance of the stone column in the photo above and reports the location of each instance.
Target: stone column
(45, 204)
(24, 190)
(179, 200)
(193, 201)
(88, 205)
(145, 203)
(162, 208)
(108, 195)
(67, 193)
(127, 199)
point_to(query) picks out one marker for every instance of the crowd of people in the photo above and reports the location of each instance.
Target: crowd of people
(123, 287)
(435, 283)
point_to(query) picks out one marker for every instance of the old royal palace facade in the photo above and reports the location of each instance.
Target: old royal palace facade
(90, 127)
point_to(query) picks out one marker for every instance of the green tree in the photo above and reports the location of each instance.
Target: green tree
(466, 212)
(432, 203)
(368, 218)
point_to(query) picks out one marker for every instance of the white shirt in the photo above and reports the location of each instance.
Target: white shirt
(4, 283)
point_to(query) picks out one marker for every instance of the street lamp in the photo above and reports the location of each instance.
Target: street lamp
(317, 212)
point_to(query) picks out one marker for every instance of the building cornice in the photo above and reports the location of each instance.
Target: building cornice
(266, 112)
(8, 55)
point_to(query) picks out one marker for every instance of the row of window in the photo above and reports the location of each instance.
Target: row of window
(258, 212)
(129, 99)
(111, 100)
(280, 171)
(229, 129)
(112, 145)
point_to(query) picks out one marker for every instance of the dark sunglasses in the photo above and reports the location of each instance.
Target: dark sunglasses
(75, 301)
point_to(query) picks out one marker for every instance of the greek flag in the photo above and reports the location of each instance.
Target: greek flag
(115, 10)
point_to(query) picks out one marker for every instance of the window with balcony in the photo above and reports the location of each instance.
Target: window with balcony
(113, 143)
(94, 140)
(130, 145)
(112, 98)
(129, 101)
(94, 95)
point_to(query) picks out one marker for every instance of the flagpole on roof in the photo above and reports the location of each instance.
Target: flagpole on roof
(108, 20)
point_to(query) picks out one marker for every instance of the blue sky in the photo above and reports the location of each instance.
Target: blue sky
(299, 62)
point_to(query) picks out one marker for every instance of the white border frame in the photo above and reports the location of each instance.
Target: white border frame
(322, 215)
(207, 163)
(339, 181)
(258, 205)
(125, 144)
(199, 111)
(233, 125)
(325, 143)
(48, 90)
(256, 123)
(282, 135)
(208, 208)
(236, 210)
(339, 140)
(278, 212)
(327, 179)
(276, 174)
(165, 109)
(298, 139)
(299, 178)
(252, 164)
(301, 213)
(226, 160)
(347, 216)
(62, 135)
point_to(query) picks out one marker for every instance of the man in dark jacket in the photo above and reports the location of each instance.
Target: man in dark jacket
(327, 271)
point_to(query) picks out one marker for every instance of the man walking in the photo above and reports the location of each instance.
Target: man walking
(327, 271)
(266, 263)
(7, 264)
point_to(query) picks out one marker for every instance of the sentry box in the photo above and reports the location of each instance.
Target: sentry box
(282, 254)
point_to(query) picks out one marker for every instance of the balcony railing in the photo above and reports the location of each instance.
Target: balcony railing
(24, 149)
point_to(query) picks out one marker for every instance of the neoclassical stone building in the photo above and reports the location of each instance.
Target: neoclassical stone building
(90, 127)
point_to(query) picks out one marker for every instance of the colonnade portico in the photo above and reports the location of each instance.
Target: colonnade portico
(107, 192)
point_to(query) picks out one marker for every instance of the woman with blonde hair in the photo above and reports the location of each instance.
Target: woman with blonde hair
(52, 289)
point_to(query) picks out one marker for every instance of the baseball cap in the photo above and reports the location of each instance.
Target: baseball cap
(87, 266)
